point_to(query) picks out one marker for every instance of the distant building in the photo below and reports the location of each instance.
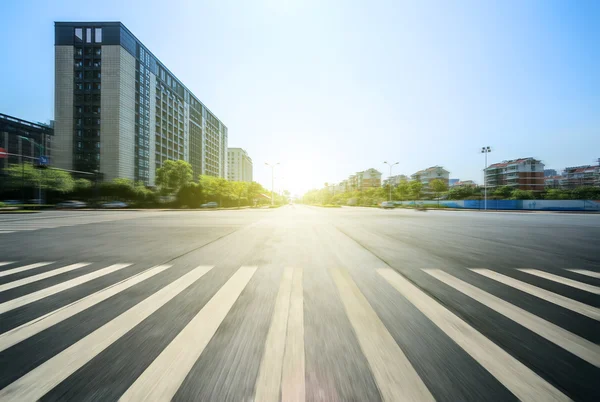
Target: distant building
(452, 182)
(39, 134)
(395, 180)
(578, 176)
(522, 174)
(559, 182)
(239, 165)
(370, 178)
(431, 173)
(465, 183)
(550, 172)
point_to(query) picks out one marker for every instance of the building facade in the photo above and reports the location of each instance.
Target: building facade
(395, 180)
(120, 111)
(550, 172)
(578, 176)
(431, 173)
(239, 165)
(522, 174)
(38, 140)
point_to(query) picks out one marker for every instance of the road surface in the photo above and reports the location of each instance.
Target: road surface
(299, 304)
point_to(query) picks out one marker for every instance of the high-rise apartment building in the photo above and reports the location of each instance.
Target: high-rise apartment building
(239, 165)
(522, 174)
(120, 111)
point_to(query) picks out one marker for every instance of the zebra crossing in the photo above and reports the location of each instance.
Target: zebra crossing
(283, 365)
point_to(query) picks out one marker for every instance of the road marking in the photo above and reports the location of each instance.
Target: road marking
(544, 294)
(268, 384)
(161, 380)
(23, 268)
(6, 263)
(33, 327)
(39, 277)
(564, 281)
(6, 231)
(396, 378)
(593, 274)
(282, 367)
(514, 375)
(40, 294)
(293, 375)
(36, 383)
(584, 349)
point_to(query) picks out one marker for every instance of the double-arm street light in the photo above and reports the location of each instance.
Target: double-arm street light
(272, 166)
(485, 150)
(391, 165)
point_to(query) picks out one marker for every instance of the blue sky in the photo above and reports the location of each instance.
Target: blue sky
(328, 88)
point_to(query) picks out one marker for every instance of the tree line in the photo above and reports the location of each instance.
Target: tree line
(175, 187)
(438, 189)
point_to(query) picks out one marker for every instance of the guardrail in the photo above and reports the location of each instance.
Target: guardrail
(523, 205)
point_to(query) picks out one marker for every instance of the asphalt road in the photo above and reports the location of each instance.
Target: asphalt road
(299, 303)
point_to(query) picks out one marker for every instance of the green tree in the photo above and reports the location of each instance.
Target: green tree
(215, 188)
(416, 187)
(190, 195)
(586, 193)
(239, 189)
(461, 193)
(253, 191)
(173, 175)
(438, 186)
(557, 194)
(522, 195)
(503, 191)
(402, 190)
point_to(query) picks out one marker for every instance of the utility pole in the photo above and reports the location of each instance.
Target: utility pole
(391, 165)
(272, 166)
(485, 150)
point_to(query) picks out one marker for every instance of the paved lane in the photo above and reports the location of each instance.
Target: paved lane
(301, 304)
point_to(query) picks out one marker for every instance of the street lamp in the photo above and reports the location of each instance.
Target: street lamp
(485, 150)
(272, 166)
(391, 165)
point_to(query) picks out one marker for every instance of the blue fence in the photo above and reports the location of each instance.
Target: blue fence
(507, 205)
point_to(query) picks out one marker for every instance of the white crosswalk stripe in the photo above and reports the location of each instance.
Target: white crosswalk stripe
(162, 379)
(281, 374)
(577, 345)
(39, 277)
(518, 378)
(564, 281)
(35, 384)
(23, 268)
(544, 294)
(40, 294)
(29, 329)
(585, 272)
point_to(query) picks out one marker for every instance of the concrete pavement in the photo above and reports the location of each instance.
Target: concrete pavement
(299, 303)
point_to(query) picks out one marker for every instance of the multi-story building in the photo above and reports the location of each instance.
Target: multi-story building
(120, 111)
(550, 172)
(38, 140)
(370, 178)
(577, 176)
(465, 183)
(395, 180)
(239, 165)
(452, 182)
(555, 182)
(431, 173)
(523, 174)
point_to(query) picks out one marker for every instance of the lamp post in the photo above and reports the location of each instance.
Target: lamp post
(391, 165)
(272, 166)
(485, 150)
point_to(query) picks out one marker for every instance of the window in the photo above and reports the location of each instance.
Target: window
(97, 51)
(98, 36)
(78, 51)
(88, 35)
(79, 34)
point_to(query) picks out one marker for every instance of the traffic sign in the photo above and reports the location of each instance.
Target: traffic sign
(3, 153)
(43, 160)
